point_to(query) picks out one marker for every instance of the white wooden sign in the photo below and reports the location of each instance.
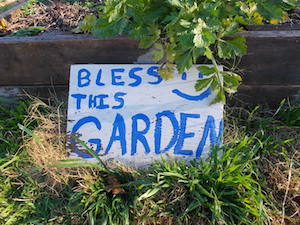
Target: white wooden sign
(129, 114)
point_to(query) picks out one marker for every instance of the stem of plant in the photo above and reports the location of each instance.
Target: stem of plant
(219, 75)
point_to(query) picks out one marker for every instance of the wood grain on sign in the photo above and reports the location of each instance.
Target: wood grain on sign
(129, 114)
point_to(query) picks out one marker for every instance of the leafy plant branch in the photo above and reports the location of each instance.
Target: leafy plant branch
(182, 31)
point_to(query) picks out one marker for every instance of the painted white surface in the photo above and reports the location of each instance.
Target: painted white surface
(143, 101)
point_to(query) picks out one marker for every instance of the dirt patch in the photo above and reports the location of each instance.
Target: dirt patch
(294, 17)
(61, 16)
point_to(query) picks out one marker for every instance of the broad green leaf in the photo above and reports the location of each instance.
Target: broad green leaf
(231, 48)
(167, 71)
(203, 83)
(88, 23)
(115, 13)
(146, 42)
(184, 62)
(196, 53)
(209, 37)
(175, 3)
(208, 53)
(232, 81)
(207, 70)
(148, 194)
(230, 29)
(158, 52)
(172, 174)
(30, 31)
(170, 55)
(257, 18)
(219, 98)
(239, 46)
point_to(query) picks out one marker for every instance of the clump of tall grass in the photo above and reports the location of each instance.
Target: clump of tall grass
(247, 181)
(279, 165)
(252, 179)
(22, 199)
(46, 142)
(10, 185)
(221, 190)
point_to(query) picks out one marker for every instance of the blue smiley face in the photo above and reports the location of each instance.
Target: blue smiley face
(203, 95)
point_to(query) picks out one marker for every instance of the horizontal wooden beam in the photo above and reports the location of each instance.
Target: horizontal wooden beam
(46, 60)
(272, 27)
(270, 95)
(273, 58)
(271, 69)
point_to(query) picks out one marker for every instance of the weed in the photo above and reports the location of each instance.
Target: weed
(10, 136)
(254, 178)
(221, 190)
(16, 191)
(23, 196)
(46, 143)
(279, 166)
(30, 31)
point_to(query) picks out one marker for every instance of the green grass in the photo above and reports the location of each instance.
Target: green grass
(10, 136)
(22, 198)
(11, 159)
(234, 186)
(222, 190)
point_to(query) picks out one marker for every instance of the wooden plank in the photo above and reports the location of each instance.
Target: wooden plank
(273, 58)
(269, 35)
(42, 91)
(271, 27)
(270, 95)
(43, 61)
(46, 60)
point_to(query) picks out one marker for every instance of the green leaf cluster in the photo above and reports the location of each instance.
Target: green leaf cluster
(182, 31)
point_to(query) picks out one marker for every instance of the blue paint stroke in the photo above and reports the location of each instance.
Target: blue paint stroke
(184, 135)
(77, 126)
(195, 98)
(158, 131)
(210, 129)
(137, 135)
(118, 126)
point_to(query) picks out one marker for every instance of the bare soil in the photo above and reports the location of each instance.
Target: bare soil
(294, 17)
(53, 16)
